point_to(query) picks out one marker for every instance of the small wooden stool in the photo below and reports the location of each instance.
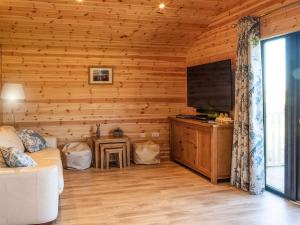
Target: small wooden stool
(110, 151)
(104, 147)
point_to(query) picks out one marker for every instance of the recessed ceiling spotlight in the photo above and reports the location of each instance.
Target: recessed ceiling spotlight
(79, 0)
(162, 5)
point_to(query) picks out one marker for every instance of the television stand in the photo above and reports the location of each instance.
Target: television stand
(203, 147)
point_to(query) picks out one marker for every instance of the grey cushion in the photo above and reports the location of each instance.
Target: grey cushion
(32, 140)
(15, 158)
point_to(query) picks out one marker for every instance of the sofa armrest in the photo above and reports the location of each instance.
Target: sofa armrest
(51, 141)
(30, 193)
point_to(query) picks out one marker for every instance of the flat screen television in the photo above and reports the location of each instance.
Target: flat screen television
(209, 86)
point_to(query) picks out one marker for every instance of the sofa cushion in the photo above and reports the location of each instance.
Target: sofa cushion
(51, 141)
(9, 138)
(47, 153)
(48, 157)
(32, 140)
(14, 158)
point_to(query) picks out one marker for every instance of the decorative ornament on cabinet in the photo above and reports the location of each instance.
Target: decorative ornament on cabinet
(98, 132)
(118, 132)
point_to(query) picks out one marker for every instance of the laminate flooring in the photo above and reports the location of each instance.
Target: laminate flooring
(165, 194)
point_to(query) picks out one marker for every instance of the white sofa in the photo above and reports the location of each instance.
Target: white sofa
(31, 195)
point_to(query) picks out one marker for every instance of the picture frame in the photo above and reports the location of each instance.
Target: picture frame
(100, 75)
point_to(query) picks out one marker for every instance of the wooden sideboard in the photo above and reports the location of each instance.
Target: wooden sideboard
(203, 147)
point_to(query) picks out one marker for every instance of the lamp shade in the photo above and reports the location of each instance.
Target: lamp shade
(12, 91)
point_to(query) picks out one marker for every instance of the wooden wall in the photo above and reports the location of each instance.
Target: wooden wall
(280, 22)
(219, 42)
(214, 45)
(149, 77)
(149, 86)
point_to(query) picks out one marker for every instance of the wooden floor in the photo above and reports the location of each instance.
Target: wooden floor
(165, 194)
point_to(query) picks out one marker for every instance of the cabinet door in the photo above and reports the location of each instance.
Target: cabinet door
(189, 144)
(203, 162)
(176, 137)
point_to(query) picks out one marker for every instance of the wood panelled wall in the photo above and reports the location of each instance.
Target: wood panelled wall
(220, 41)
(50, 54)
(214, 45)
(280, 22)
(148, 86)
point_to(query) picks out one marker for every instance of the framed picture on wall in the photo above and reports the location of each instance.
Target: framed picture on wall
(100, 75)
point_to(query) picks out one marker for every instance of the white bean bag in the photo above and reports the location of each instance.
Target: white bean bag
(146, 153)
(78, 155)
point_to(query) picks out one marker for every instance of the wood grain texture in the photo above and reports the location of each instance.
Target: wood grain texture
(49, 45)
(131, 22)
(280, 22)
(148, 87)
(219, 42)
(214, 45)
(165, 194)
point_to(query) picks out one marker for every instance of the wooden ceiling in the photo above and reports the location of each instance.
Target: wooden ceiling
(113, 22)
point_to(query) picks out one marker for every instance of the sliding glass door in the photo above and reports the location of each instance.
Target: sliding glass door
(275, 89)
(281, 59)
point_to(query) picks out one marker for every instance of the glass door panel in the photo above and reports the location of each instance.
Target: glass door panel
(275, 92)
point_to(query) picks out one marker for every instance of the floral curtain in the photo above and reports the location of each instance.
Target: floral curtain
(248, 169)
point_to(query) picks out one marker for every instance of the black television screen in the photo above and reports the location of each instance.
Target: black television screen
(209, 86)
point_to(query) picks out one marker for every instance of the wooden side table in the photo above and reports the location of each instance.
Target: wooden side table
(109, 140)
(104, 147)
(118, 151)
